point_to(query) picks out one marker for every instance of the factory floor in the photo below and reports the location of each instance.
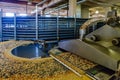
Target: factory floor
(16, 68)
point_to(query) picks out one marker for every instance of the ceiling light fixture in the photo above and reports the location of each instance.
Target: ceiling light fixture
(96, 12)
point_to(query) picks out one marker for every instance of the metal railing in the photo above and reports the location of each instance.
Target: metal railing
(49, 28)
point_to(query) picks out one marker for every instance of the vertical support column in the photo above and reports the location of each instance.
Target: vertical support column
(75, 27)
(67, 8)
(0, 24)
(78, 11)
(84, 12)
(72, 8)
(58, 26)
(15, 26)
(36, 22)
(107, 9)
(72, 12)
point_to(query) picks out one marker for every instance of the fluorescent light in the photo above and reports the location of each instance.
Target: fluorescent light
(96, 12)
(9, 14)
(23, 15)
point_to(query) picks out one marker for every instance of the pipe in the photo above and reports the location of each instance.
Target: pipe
(105, 3)
(34, 11)
(36, 23)
(89, 23)
(79, 2)
(15, 27)
(41, 2)
(57, 8)
(62, 6)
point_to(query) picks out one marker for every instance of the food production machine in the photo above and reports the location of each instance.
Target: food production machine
(101, 46)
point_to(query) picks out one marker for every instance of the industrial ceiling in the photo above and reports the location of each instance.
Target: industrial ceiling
(28, 6)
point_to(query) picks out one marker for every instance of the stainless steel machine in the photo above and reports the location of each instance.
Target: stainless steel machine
(101, 46)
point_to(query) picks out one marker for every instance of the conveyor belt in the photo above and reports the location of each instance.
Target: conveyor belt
(76, 70)
(80, 66)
